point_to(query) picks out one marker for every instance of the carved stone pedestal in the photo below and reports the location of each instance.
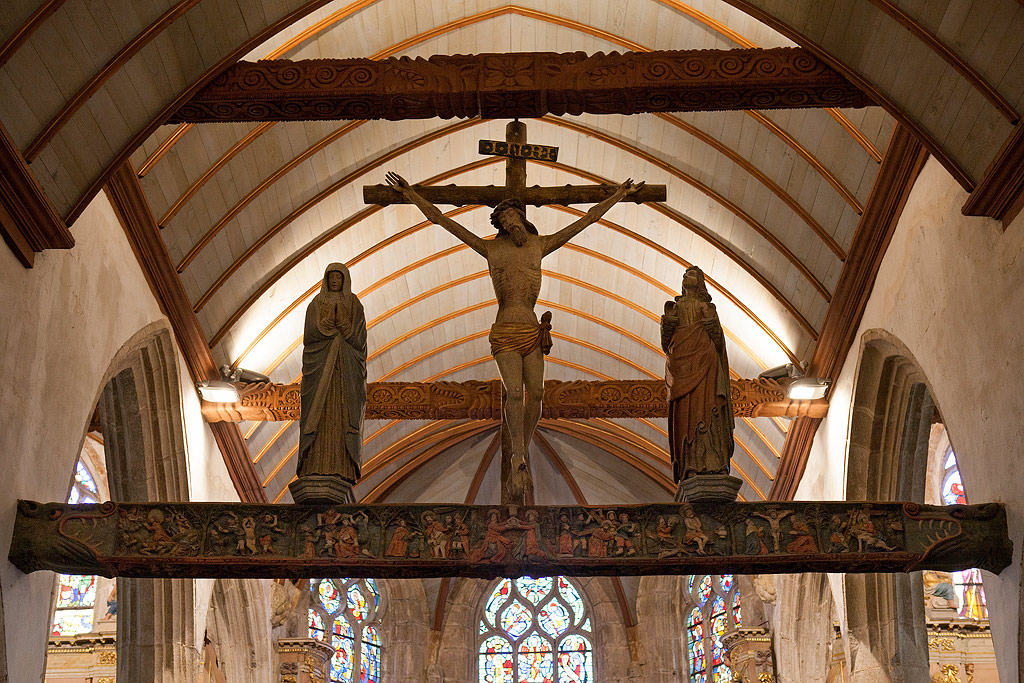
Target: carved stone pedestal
(717, 488)
(303, 660)
(314, 489)
(749, 651)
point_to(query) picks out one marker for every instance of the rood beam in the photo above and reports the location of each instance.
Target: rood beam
(482, 401)
(521, 84)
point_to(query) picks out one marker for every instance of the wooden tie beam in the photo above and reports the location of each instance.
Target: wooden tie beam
(520, 85)
(477, 400)
(236, 540)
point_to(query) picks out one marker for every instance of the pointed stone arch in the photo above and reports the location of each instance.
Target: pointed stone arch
(140, 408)
(888, 458)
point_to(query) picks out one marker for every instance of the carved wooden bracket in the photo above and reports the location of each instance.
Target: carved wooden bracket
(240, 540)
(482, 401)
(523, 84)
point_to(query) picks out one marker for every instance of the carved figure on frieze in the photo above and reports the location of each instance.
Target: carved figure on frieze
(460, 537)
(627, 536)
(694, 530)
(700, 422)
(774, 517)
(398, 546)
(803, 539)
(333, 392)
(519, 341)
(532, 547)
(495, 546)
(754, 543)
(867, 534)
(437, 534)
(153, 531)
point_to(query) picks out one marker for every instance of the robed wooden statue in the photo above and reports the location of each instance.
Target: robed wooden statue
(333, 396)
(700, 415)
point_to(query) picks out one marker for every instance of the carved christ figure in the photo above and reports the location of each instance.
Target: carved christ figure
(518, 340)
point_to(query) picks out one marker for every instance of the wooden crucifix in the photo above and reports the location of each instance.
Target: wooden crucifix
(519, 341)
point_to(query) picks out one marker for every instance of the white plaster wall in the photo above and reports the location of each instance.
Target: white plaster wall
(62, 324)
(951, 289)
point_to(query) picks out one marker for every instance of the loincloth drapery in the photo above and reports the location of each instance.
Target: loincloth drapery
(522, 338)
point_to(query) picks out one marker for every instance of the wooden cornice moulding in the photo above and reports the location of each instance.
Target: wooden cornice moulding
(132, 209)
(29, 222)
(999, 192)
(477, 400)
(520, 84)
(233, 540)
(904, 158)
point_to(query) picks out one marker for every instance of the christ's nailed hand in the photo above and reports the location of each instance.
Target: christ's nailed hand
(396, 181)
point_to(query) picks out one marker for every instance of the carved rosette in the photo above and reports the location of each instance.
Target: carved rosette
(410, 541)
(526, 84)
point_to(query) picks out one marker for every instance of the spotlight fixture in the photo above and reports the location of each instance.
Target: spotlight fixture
(780, 373)
(218, 391)
(807, 388)
(241, 375)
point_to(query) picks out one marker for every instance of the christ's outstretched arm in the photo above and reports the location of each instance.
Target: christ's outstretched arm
(434, 214)
(559, 238)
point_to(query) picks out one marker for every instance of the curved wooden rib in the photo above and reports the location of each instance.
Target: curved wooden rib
(352, 220)
(733, 208)
(742, 41)
(198, 183)
(184, 96)
(761, 177)
(259, 189)
(970, 74)
(359, 216)
(163, 148)
(99, 79)
(884, 100)
(28, 27)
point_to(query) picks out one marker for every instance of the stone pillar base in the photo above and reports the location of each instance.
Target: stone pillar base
(313, 489)
(716, 488)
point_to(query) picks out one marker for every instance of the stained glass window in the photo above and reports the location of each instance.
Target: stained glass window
(535, 631)
(967, 584)
(346, 615)
(715, 608)
(76, 595)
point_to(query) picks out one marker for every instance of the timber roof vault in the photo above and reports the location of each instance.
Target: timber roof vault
(768, 203)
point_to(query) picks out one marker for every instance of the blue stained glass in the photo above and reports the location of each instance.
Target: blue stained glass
(950, 461)
(736, 608)
(341, 628)
(704, 589)
(695, 644)
(722, 674)
(85, 480)
(953, 489)
(496, 600)
(571, 596)
(328, 595)
(496, 665)
(536, 662)
(374, 592)
(341, 662)
(690, 583)
(533, 589)
(586, 625)
(76, 591)
(515, 619)
(70, 622)
(74, 497)
(554, 619)
(356, 602)
(575, 660)
(726, 582)
(370, 656)
(316, 625)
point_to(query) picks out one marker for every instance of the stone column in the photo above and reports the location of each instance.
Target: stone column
(749, 651)
(302, 660)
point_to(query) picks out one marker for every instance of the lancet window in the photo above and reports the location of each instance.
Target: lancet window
(714, 608)
(76, 595)
(536, 631)
(967, 583)
(345, 614)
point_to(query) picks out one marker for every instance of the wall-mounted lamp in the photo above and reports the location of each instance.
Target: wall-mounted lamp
(798, 387)
(807, 388)
(218, 391)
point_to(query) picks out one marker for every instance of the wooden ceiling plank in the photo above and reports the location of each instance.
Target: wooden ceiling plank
(43, 12)
(132, 209)
(100, 78)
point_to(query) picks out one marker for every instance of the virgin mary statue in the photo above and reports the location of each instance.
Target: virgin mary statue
(333, 380)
